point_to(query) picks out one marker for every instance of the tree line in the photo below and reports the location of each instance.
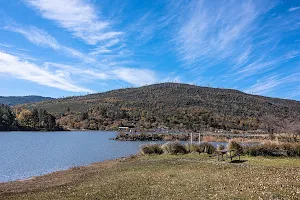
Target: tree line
(23, 119)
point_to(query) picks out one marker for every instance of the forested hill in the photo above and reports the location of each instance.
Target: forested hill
(16, 100)
(174, 105)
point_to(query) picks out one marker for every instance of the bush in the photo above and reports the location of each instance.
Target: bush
(206, 148)
(192, 148)
(220, 147)
(174, 148)
(151, 149)
(292, 149)
(271, 149)
(235, 146)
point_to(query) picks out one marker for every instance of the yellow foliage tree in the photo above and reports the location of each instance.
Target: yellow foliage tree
(25, 118)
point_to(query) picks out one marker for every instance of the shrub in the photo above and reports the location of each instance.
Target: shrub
(207, 148)
(220, 147)
(174, 148)
(235, 146)
(151, 149)
(272, 149)
(192, 148)
(293, 149)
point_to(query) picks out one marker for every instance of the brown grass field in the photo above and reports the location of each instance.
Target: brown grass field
(189, 176)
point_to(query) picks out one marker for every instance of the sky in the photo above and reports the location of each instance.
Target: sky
(62, 48)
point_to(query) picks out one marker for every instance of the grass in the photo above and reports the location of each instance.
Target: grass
(189, 176)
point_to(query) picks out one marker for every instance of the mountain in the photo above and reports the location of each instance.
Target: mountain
(16, 100)
(177, 106)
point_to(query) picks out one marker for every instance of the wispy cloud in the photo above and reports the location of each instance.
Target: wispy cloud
(133, 76)
(85, 21)
(36, 36)
(265, 86)
(111, 68)
(294, 8)
(256, 67)
(274, 82)
(236, 41)
(6, 45)
(213, 30)
(42, 38)
(21, 69)
(78, 17)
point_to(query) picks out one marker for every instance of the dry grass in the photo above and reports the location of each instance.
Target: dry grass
(167, 177)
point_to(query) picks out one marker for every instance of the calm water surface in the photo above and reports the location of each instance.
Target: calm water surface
(27, 154)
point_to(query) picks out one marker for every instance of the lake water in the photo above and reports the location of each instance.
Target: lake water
(27, 154)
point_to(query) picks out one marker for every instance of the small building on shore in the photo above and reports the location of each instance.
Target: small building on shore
(128, 128)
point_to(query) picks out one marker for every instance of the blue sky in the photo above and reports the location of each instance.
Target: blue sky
(72, 47)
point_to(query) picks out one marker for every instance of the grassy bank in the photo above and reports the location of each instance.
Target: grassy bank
(189, 176)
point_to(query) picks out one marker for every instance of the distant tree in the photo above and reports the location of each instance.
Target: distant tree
(35, 118)
(25, 118)
(84, 116)
(7, 118)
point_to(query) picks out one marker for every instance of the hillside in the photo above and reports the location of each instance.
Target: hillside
(16, 100)
(177, 106)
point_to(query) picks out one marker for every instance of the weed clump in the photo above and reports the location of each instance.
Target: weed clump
(193, 148)
(174, 148)
(207, 148)
(151, 149)
(233, 145)
(220, 147)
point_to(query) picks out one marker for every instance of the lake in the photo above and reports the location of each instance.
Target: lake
(27, 154)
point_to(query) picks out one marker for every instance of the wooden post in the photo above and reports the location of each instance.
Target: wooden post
(191, 138)
(199, 138)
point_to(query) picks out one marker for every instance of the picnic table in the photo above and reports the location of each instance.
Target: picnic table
(223, 152)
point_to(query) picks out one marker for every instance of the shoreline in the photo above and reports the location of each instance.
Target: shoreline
(138, 177)
(63, 170)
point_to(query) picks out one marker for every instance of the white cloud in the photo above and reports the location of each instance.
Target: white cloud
(14, 66)
(79, 72)
(262, 87)
(256, 67)
(216, 30)
(6, 45)
(42, 38)
(134, 76)
(86, 22)
(78, 17)
(36, 36)
(275, 82)
(294, 8)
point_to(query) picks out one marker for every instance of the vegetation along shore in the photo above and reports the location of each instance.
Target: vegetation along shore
(27, 120)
